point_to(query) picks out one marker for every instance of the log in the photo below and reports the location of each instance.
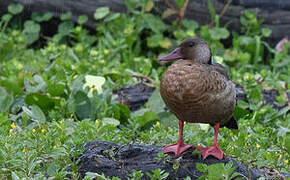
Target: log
(111, 159)
(277, 18)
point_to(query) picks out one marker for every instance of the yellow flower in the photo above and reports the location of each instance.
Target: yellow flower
(157, 123)
(43, 130)
(184, 122)
(286, 161)
(97, 121)
(258, 146)
(232, 147)
(198, 144)
(61, 121)
(249, 135)
(231, 134)
(33, 130)
(280, 156)
(13, 125)
(23, 150)
(54, 147)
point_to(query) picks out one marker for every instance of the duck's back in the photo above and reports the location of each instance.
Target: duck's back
(198, 93)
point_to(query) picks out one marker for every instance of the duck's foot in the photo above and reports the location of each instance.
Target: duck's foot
(213, 150)
(177, 148)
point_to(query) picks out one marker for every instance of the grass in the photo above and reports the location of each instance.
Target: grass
(59, 94)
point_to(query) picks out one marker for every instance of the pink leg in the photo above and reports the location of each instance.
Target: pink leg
(178, 147)
(213, 150)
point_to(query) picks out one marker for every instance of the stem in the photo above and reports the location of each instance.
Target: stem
(258, 45)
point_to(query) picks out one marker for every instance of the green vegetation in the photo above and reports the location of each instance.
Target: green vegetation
(56, 92)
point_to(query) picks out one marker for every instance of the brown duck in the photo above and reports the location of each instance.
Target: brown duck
(197, 90)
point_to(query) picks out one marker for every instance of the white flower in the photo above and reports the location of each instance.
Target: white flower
(94, 83)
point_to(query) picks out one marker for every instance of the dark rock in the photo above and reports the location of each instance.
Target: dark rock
(134, 96)
(269, 97)
(118, 160)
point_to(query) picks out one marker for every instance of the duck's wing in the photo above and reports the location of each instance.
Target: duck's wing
(221, 69)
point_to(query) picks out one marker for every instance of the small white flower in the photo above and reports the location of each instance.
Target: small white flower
(94, 83)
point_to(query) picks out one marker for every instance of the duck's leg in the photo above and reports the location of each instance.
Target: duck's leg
(178, 147)
(212, 150)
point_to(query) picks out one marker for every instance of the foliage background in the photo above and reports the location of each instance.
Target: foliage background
(57, 92)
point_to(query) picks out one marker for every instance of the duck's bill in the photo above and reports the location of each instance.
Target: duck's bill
(172, 56)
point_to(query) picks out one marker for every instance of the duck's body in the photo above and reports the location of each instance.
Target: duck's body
(197, 91)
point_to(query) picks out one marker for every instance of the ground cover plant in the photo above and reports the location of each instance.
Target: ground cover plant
(56, 92)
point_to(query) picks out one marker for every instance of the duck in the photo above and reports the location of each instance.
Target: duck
(197, 90)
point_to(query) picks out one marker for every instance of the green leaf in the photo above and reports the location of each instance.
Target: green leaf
(6, 17)
(144, 116)
(111, 121)
(15, 8)
(266, 32)
(43, 101)
(287, 142)
(35, 114)
(190, 24)
(82, 105)
(66, 16)
(155, 102)
(180, 3)
(83, 19)
(154, 23)
(31, 27)
(41, 17)
(65, 28)
(100, 13)
(201, 167)
(6, 100)
(219, 33)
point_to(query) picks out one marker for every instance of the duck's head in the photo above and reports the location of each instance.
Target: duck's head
(194, 49)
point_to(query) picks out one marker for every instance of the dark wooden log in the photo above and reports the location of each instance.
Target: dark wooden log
(116, 160)
(277, 19)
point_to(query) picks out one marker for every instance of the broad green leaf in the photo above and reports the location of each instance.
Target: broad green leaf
(35, 113)
(65, 28)
(43, 101)
(201, 167)
(82, 105)
(155, 102)
(154, 23)
(66, 16)
(31, 27)
(15, 8)
(6, 100)
(41, 17)
(219, 33)
(266, 32)
(111, 121)
(6, 17)
(83, 19)
(100, 13)
(190, 24)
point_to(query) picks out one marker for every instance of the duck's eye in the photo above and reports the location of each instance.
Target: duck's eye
(191, 44)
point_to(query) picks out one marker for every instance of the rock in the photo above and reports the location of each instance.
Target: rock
(119, 161)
